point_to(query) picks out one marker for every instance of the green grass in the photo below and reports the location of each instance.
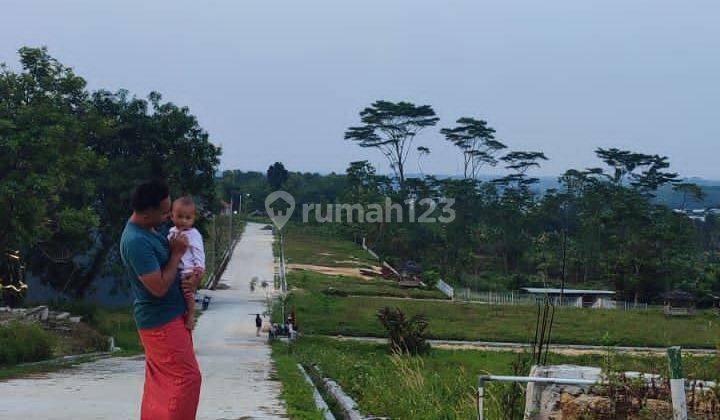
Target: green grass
(296, 392)
(306, 244)
(115, 322)
(320, 312)
(120, 323)
(24, 342)
(356, 316)
(439, 385)
(321, 283)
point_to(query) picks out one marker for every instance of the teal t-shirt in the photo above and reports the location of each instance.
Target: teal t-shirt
(144, 251)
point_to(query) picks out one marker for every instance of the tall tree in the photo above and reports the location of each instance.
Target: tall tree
(391, 128)
(624, 163)
(277, 175)
(477, 142)
(142, 139)
(689, 191)
(47, 174)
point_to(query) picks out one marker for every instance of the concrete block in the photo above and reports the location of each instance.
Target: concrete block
(541, 400)
(62, 315)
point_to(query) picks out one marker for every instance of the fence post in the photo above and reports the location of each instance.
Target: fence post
(677, 383)
(481, 399)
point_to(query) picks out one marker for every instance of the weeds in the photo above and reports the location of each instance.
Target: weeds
(24, 342)
(407, 336)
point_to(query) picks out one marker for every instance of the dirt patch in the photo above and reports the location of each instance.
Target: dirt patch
(332, 271)
(355, 262)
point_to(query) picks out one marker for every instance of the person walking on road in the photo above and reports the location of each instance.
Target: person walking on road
(258, 324)
(172, 375)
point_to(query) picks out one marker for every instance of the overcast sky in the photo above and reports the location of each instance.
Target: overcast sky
(281, 81)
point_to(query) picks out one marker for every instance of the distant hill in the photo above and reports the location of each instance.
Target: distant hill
(665, 195)
(672, 199)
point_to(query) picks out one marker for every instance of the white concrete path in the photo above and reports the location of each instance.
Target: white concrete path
(235, 364)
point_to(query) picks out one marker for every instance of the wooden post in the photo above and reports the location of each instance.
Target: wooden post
(677, 383)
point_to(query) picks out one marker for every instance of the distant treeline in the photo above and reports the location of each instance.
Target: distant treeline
(605, 226)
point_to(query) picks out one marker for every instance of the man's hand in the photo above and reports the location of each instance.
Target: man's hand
(179, 244)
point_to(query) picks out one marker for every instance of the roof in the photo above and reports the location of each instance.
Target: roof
(553, 291)
(679, 295)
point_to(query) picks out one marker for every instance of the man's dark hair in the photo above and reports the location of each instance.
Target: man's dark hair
(149, 194)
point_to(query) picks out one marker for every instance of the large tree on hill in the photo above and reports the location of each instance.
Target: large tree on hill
(477, 142)
(509, 218)
(646, 173)
(277, 175)
(48, 176)
(519, 163)
(391, 128)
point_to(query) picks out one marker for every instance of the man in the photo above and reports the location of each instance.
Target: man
(172, 376)
(258, 325)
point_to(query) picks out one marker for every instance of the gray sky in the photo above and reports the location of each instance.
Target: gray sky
(280, 81)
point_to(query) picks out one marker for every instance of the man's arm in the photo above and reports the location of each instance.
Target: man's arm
(159, 281)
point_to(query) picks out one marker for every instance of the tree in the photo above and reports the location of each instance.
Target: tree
(143, 139)
(519, 163)
(422, 152)
(624, 163)
(689, 190)
(277, 175)
(391, 128)
(70, 159)
(47, 174)
(477, 142)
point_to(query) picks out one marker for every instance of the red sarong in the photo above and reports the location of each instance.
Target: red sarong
(172, 375)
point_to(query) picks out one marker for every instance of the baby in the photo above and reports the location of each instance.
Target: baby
(183, 217)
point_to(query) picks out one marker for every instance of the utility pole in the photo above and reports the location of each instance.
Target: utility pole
(231, 224)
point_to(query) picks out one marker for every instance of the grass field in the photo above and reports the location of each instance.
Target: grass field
(320, 312)
(306, 244)
(296, 392)
(356, 316)
(439, 385)
(314, 282)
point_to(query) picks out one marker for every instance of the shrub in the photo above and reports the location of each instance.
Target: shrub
(406, 335)
(22, 343)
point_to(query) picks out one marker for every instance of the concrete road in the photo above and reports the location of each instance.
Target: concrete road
(235, 364)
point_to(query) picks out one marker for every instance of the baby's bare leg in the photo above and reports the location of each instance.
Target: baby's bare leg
(190, 316)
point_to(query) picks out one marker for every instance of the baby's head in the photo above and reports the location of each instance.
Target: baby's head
(183, 212)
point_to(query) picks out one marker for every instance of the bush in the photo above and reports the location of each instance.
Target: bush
(406, 335)
(22, 343)
(431, 278)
